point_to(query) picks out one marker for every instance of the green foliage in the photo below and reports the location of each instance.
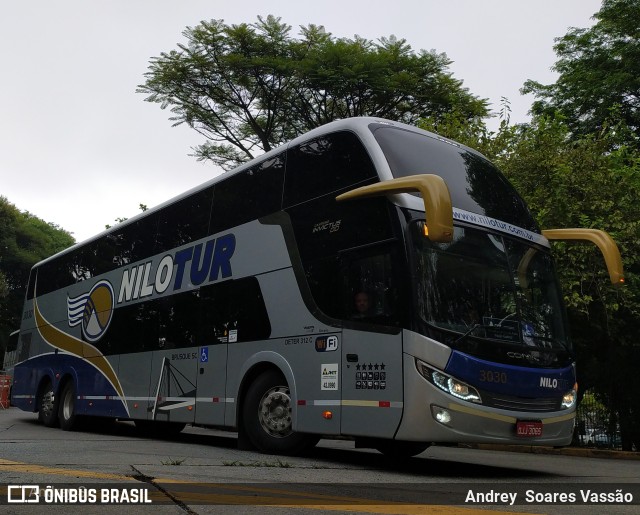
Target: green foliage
(24, 240)
(599, 72)
(4, 286)
(578, 183)
(473, 131)
(250, 87)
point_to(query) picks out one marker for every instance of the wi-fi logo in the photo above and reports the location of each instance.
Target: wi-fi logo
(93, 310)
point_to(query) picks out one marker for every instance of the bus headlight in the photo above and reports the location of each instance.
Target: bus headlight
(448, 384)
(569, 399)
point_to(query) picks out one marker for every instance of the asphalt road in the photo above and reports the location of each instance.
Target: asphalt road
(202, 471)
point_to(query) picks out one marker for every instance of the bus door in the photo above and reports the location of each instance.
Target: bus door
(371, 369)
(211, 381)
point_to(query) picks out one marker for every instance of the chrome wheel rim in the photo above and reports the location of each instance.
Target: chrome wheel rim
(274, 412)
(47, 403)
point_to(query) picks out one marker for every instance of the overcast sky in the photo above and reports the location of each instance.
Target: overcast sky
(79, 147)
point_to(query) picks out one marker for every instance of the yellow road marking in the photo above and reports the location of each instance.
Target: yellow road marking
(313, 501)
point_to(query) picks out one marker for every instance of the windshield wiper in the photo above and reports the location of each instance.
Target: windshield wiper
(473, 328)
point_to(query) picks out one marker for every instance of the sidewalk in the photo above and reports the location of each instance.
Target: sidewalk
(584, 452)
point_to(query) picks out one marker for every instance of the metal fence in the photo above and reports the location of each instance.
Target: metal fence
(596, 425)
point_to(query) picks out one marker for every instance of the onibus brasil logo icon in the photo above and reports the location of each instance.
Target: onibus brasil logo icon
(92, 310)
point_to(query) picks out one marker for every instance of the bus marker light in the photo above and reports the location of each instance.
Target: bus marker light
(135, 405)
(327, 415)
(190, 408)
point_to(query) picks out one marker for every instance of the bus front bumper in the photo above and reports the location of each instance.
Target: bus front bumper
(431, 415)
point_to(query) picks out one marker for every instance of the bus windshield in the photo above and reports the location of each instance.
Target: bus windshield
(486, 286)
(474, 183)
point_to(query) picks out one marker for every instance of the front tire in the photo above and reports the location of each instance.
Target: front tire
(267, 414)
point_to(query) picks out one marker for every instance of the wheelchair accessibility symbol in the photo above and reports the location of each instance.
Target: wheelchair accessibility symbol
(204, 354)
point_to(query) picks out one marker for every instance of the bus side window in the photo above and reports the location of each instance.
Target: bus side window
(99, 256)
(341, 286)
(135, 241)
(12, 344)
(325, 165)
(178, 320)
(25, 346)
(248, 195)
(324, 229)
(134, 328)
(32, 283)
(233, 311)
(185, 221)
(371, 293)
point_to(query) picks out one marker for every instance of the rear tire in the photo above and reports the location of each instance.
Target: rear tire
(48, 406)
(67, 408)
(268, 417)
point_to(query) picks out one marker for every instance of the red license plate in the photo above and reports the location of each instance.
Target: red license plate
(528, 428)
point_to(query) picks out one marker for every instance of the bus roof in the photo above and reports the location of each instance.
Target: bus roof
(358, 125)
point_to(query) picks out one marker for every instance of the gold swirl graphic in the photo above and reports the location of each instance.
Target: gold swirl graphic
(63, 341)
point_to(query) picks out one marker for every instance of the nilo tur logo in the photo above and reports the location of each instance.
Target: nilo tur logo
(92, 310)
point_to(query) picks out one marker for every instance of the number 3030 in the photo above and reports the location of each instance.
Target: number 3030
(489, 376)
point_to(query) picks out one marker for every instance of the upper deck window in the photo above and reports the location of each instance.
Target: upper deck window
(474, 183)
(324, 165)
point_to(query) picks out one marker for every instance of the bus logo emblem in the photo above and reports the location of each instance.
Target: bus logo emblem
(93, 311)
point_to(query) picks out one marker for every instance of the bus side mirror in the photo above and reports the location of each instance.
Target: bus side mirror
(602, 240)
(435, 195)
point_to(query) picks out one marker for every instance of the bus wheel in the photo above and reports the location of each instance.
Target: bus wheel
(267, 416)
(47, 406)
(398, 449)
(67, 407)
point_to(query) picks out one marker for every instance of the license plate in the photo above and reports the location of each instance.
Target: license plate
(528, 428)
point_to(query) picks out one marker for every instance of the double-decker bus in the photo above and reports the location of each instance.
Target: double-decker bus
(367, 279)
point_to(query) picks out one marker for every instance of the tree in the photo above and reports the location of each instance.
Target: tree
(599, 72)
(24, 240)
(250, 87)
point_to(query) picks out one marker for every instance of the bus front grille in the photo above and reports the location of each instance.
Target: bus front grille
(511, 403)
